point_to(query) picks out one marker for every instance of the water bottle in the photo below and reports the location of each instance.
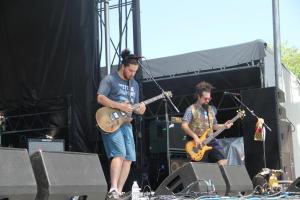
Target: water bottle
(135, 191)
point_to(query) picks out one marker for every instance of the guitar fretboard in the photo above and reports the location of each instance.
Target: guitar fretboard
(148, 101)
(215, 134)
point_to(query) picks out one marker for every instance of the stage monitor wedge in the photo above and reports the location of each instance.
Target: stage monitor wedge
(237, 180)
(17, 181)
(193, 172)
(63, 175)
(295, 186)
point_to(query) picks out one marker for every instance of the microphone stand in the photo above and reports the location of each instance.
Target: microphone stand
(166, 111)
(264, 125)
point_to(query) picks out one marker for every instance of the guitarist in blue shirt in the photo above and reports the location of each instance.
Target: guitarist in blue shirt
(200, 117)
(119, 90)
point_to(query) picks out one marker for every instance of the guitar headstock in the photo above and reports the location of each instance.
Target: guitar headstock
(241, 113)
(168, 94)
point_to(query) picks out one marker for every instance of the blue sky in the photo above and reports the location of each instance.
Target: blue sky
(172, 27)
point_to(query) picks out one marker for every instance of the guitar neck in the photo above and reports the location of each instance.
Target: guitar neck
(148, 101)
(215, 134)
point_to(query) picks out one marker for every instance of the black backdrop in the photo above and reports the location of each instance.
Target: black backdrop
(49, 49)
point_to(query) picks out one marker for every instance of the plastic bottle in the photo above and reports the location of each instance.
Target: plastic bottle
(135, 191)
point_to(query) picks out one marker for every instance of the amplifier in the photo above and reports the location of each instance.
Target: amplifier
(34, 145)
(158, 137)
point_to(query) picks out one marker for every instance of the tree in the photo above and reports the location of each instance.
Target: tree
(290, 57)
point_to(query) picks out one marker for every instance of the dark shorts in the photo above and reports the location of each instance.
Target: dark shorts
(214, 155)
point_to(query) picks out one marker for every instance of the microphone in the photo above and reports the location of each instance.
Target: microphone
(139, 57)
(231, 93)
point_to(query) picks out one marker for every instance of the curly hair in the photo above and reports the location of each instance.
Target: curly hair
(203, 87)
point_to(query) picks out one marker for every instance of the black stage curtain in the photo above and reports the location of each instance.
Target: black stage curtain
(48, 49)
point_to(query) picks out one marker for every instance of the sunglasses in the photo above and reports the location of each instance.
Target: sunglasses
(207, 98)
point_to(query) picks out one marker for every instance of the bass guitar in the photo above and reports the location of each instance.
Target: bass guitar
(110, 119)
(197, 152)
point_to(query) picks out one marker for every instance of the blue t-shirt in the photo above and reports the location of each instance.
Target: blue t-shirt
(117, 89)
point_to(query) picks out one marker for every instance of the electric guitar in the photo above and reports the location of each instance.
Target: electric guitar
(196, 152)
(110, 119)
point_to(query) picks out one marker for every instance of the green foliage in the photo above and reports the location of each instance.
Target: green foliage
(290, 57)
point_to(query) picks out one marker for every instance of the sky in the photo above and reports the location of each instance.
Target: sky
(172, 27)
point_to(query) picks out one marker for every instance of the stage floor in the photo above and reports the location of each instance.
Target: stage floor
(282, 195)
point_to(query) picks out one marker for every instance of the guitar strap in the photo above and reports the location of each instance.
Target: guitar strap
(129, 92)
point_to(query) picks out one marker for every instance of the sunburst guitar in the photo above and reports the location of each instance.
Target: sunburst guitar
(109, 119)
(196, 152)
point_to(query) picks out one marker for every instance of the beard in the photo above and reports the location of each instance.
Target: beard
(126, 76)
(205, 106)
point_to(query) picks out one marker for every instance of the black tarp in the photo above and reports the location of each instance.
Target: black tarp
(49, 49)
(239, 55)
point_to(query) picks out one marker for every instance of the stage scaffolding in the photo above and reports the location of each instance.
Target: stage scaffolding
(123, 11)
(45, 119)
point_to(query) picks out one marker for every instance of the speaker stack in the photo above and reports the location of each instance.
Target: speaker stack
(265, 102)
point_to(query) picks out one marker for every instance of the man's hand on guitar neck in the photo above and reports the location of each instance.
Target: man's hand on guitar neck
(140, 109)
(228, 124)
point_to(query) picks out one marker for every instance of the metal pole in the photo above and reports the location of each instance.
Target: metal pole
(276, 39)
(168, 135)
(136, 23)
(137, 49)
(277, 61)
(107, 36)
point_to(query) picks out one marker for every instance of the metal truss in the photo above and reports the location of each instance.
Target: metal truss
(41, 117)
(125, 9)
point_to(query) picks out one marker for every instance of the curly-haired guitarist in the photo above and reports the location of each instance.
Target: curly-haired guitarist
(199, 118)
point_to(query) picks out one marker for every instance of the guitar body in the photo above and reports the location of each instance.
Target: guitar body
(196, 153)
(110, 120)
